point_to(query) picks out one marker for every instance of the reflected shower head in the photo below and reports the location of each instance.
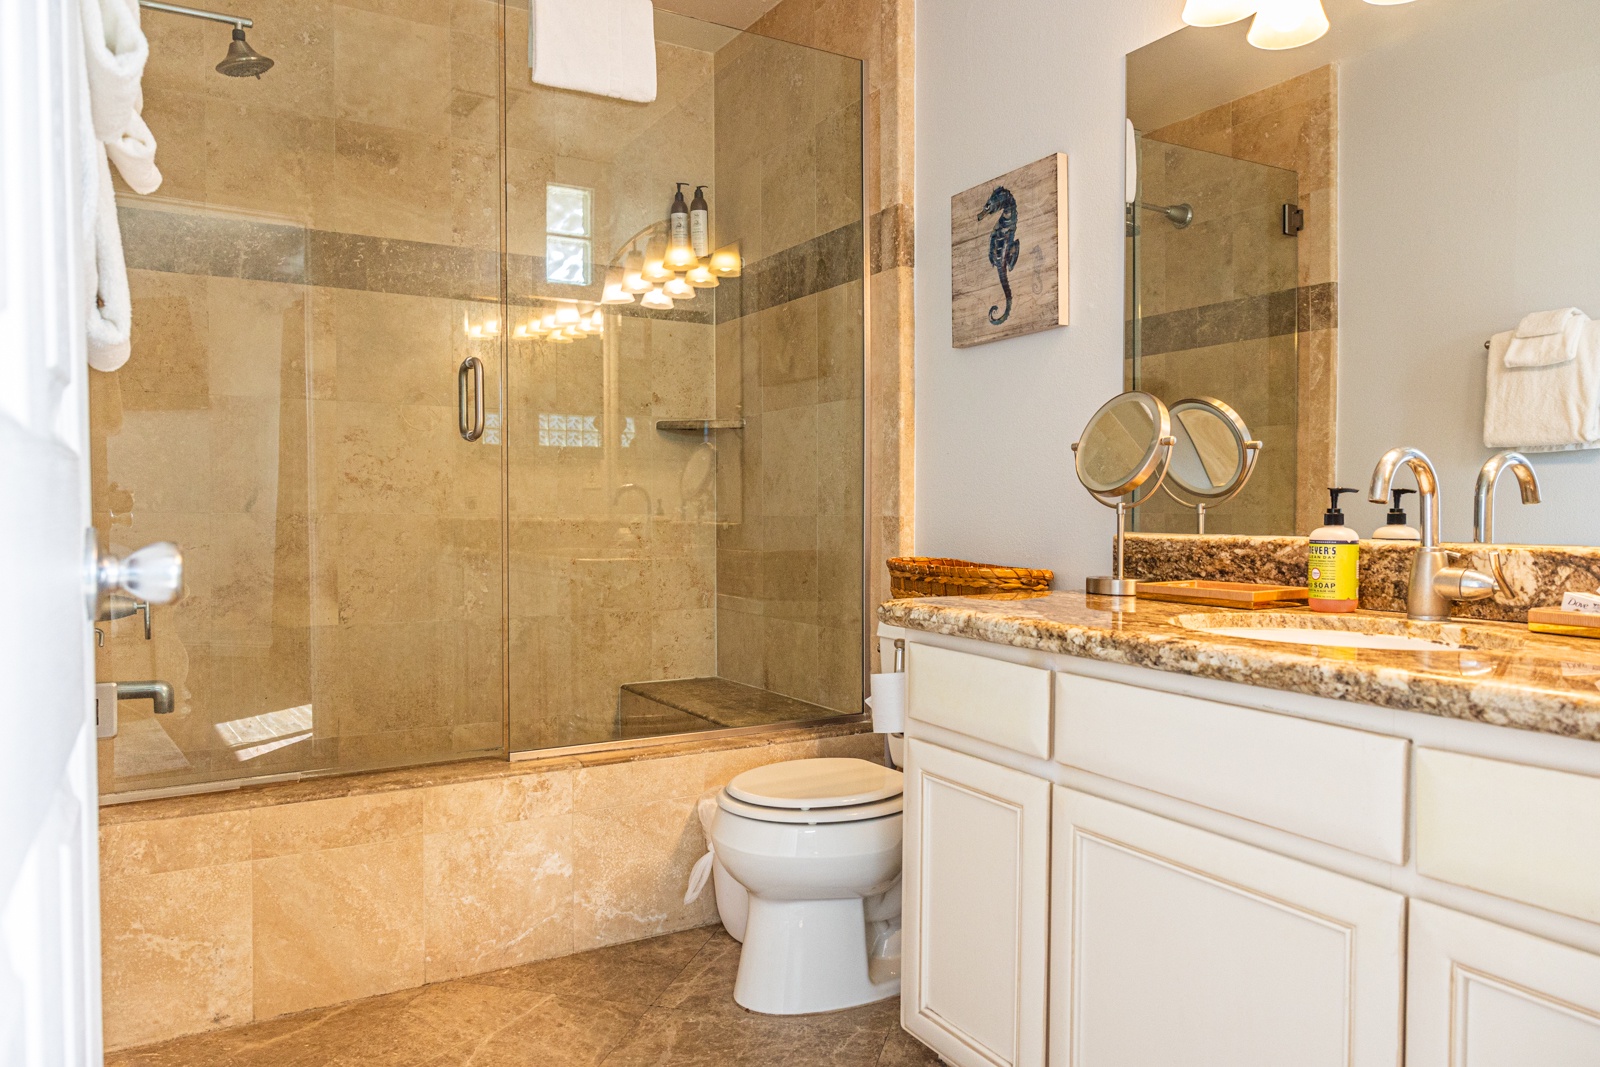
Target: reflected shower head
(242, 61)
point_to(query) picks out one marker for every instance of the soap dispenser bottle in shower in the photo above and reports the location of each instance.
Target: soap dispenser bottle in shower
(1333, 565)
(678, 218)
(700, 223)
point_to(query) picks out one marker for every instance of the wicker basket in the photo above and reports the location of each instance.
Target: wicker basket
(914, 576)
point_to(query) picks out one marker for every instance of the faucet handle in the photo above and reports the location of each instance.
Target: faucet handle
(1463, 583)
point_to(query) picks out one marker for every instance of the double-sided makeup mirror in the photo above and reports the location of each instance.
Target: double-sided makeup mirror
(1213, 455)
(1126, 447)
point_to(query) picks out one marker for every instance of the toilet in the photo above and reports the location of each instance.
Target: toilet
(816, 844)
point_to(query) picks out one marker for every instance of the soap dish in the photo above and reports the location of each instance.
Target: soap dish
(1565, 623)
(1227, 594)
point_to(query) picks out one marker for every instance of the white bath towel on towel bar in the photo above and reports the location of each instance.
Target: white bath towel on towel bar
(1554, 408)
(605, 47)
(1546, 338)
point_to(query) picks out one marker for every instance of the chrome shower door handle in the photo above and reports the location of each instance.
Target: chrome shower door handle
(470, 413)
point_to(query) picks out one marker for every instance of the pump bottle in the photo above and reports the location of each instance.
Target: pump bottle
(1333, 568)
(1399, 528)
(700, 223)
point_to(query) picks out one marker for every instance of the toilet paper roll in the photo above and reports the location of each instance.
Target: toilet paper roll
(888, 703)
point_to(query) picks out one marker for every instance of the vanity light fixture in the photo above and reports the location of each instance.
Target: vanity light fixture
(655, 267)
(1282, 24)
(597, 323)
(678, 289)
(656, 300)
(616, 291)
(702, 278)
(727, 262)
(567, 315)
(1218, 12)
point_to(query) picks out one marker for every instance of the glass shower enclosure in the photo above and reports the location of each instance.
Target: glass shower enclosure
(1213, 306)
(461, 466)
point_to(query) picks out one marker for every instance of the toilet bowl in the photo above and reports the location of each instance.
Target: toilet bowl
(816, 843)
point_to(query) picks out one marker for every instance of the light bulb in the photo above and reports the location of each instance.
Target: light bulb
(597, 323)
(702, 278)
(678, 289)
(615, 292)
(633, 279)
(681, 257)
(1284, 24)
(655, 254)
(548, 323)
(1218, 12)
(726, 262)
(566, 315)
(656, 299)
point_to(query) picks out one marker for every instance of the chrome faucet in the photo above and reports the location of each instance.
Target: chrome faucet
(1435, 581)
(1483, 501)
(1488, 477)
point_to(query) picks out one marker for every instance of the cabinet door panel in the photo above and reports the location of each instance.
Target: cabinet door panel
(976, 886)
(1484, 995)
(1171, 945)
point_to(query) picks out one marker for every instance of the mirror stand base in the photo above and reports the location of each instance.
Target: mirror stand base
(1110, 586)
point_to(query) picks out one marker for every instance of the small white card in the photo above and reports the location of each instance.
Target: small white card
(1587, 603)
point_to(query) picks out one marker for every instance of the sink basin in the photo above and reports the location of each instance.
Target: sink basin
(1349, 631)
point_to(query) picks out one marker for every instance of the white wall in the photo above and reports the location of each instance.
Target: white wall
(1000, 85)
(1470, 170)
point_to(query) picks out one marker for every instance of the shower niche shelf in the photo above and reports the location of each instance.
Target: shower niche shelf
(698, 425)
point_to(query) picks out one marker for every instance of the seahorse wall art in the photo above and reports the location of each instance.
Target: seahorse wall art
(1003, 247)
(1008, 255)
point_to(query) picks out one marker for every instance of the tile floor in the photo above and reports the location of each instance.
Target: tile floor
(665, 1002)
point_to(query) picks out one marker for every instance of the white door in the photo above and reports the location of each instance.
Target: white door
(1171, 945)
(1483, 995)
(977, 873)
(49, 920)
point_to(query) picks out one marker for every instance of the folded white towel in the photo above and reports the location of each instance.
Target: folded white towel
(1554, 408)
(605, 47)
(113, 131)
(1546, 338)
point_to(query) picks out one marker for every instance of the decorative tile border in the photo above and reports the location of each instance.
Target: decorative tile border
(1279, 314)
(216, 245)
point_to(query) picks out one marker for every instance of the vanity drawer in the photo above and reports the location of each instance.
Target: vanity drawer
(1521, 832)
(1004, 703)
(1328, 783)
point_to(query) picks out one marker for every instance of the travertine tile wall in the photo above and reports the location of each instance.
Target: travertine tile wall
(788, 598)
(1218, 317)
(1295, 126)
(223, 909)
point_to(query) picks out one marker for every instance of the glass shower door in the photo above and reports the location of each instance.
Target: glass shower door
(323, 255)
(1213, 311)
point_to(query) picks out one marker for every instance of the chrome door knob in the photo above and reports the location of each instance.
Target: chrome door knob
(153, 574)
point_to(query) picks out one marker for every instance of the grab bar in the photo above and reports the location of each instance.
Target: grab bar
(470, 420)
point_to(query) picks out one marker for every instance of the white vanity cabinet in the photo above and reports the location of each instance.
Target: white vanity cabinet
(1484, 995)
(976, 885)
(1110, 866)
(1172, 945)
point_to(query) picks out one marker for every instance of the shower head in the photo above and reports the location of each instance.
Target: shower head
(242, 61)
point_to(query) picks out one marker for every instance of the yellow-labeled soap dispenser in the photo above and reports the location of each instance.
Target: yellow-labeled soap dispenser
(1333, 568)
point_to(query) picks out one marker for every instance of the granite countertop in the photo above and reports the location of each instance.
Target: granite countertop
(1501, 673)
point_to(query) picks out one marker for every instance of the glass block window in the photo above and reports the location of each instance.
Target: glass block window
(569, 227)
(578, 431)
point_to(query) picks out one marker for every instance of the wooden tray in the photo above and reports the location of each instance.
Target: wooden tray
(1228, 594)
(1566, 623)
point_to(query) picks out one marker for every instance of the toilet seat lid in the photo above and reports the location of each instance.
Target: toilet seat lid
(811, 816)
(809, 784)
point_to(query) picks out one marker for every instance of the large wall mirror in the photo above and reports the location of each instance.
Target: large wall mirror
(1326, 238)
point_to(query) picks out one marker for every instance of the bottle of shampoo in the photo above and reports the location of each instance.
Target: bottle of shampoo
(1333, 570)
(700, 223)
(1399, 528)
(678, 218)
